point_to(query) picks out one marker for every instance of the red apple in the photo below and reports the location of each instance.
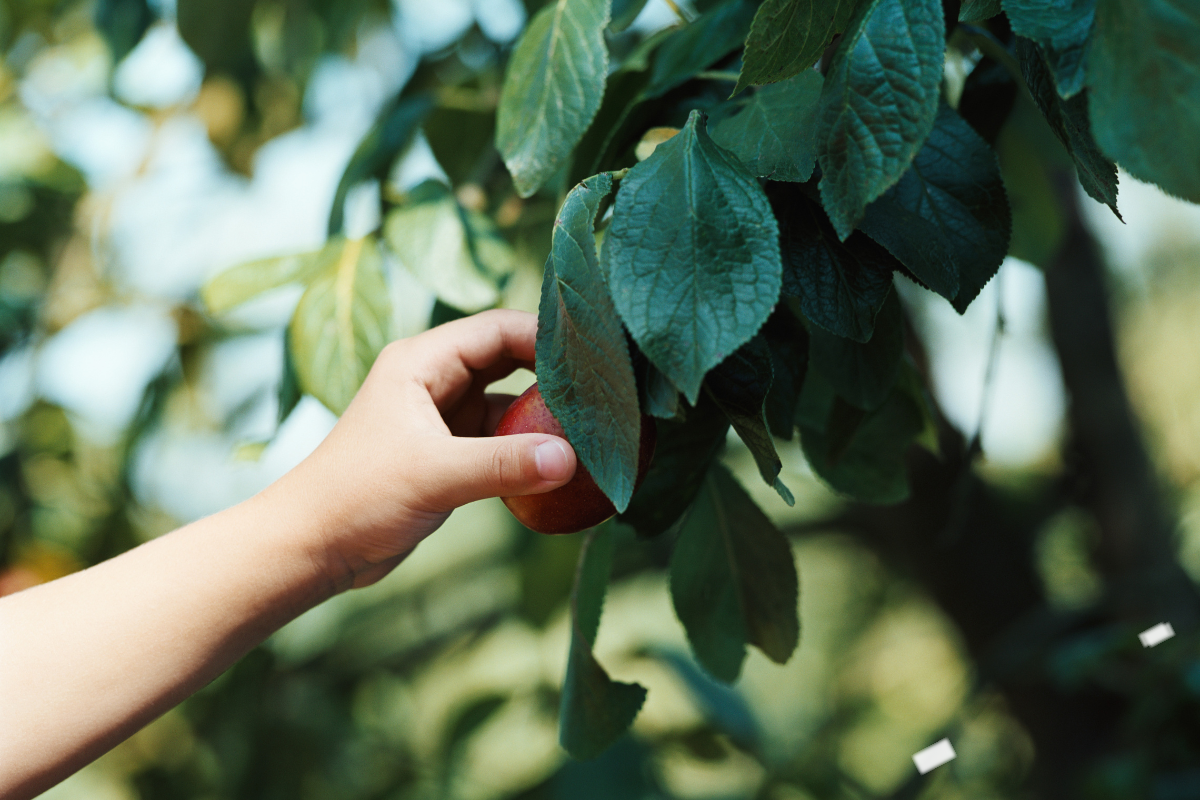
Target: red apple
(578, 504)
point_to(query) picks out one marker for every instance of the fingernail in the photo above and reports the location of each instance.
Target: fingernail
(551, 460)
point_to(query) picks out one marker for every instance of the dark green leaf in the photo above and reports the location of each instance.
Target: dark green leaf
(462, 141)
(978, 10)
(1069, 121)
(788, 36)
(740, 385)
(219, 33)
(469, 719)
(859, 455)
(552, 88)
(863, 374)
(1144, 68)
(775, 132)
(583, 367)
(341, 323)
(988, 98)
(879, 102)
(839, 285)
(624, 12)
(733, 580)
(692, 256)
(682, 456)
(625, 770)
(595, 710)
(640, 57)
(724, 707)
(947, 219)
(659, 398)
(441, 313)
(122, 22)
(289, 384)
(1027, 151)
(390, 134)
(698, 45)
(464, 264)
(1062, 28)
(618, 124)
(840, 429)
(787, 340)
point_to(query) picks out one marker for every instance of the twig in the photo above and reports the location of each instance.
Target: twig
(989, 374)
(678, 11)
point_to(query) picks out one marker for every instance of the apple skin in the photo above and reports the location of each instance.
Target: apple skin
(578, 504)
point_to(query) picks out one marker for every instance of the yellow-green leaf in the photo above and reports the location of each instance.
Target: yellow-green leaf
(341, 324)
(236, 285)
(463, 264)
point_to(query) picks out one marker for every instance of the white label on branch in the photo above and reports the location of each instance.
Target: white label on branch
(934, 756)
(1156, 635)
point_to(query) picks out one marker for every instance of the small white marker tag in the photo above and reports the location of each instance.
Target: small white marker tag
(1156, 635)
(934, 756)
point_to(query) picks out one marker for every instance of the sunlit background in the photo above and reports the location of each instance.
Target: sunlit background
(130, 174)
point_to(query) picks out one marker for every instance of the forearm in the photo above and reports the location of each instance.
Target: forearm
(87, 660)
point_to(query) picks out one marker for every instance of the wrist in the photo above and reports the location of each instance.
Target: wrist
(297, 529)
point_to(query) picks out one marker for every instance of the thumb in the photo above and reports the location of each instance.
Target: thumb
(502, 466)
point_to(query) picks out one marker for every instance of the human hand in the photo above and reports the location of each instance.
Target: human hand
(416, 443)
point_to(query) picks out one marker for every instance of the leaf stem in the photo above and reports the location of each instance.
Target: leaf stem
(678, 11)
(989, 376)
(718, 75)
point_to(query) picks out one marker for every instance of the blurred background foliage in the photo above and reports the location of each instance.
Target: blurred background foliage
(146, 146)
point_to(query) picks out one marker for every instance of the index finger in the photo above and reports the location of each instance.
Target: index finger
(481, 348)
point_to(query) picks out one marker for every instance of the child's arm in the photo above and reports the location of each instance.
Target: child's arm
(87, 660)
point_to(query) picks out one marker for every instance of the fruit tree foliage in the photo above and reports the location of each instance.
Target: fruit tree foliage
(734, 273)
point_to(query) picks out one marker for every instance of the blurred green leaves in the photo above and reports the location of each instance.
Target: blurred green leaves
(123, 22)
(698, 44)
(219, 32)
(229, 289)
(456, 253)
(390, 134)
(341, 323)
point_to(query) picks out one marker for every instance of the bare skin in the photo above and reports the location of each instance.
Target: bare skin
(91, 658)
